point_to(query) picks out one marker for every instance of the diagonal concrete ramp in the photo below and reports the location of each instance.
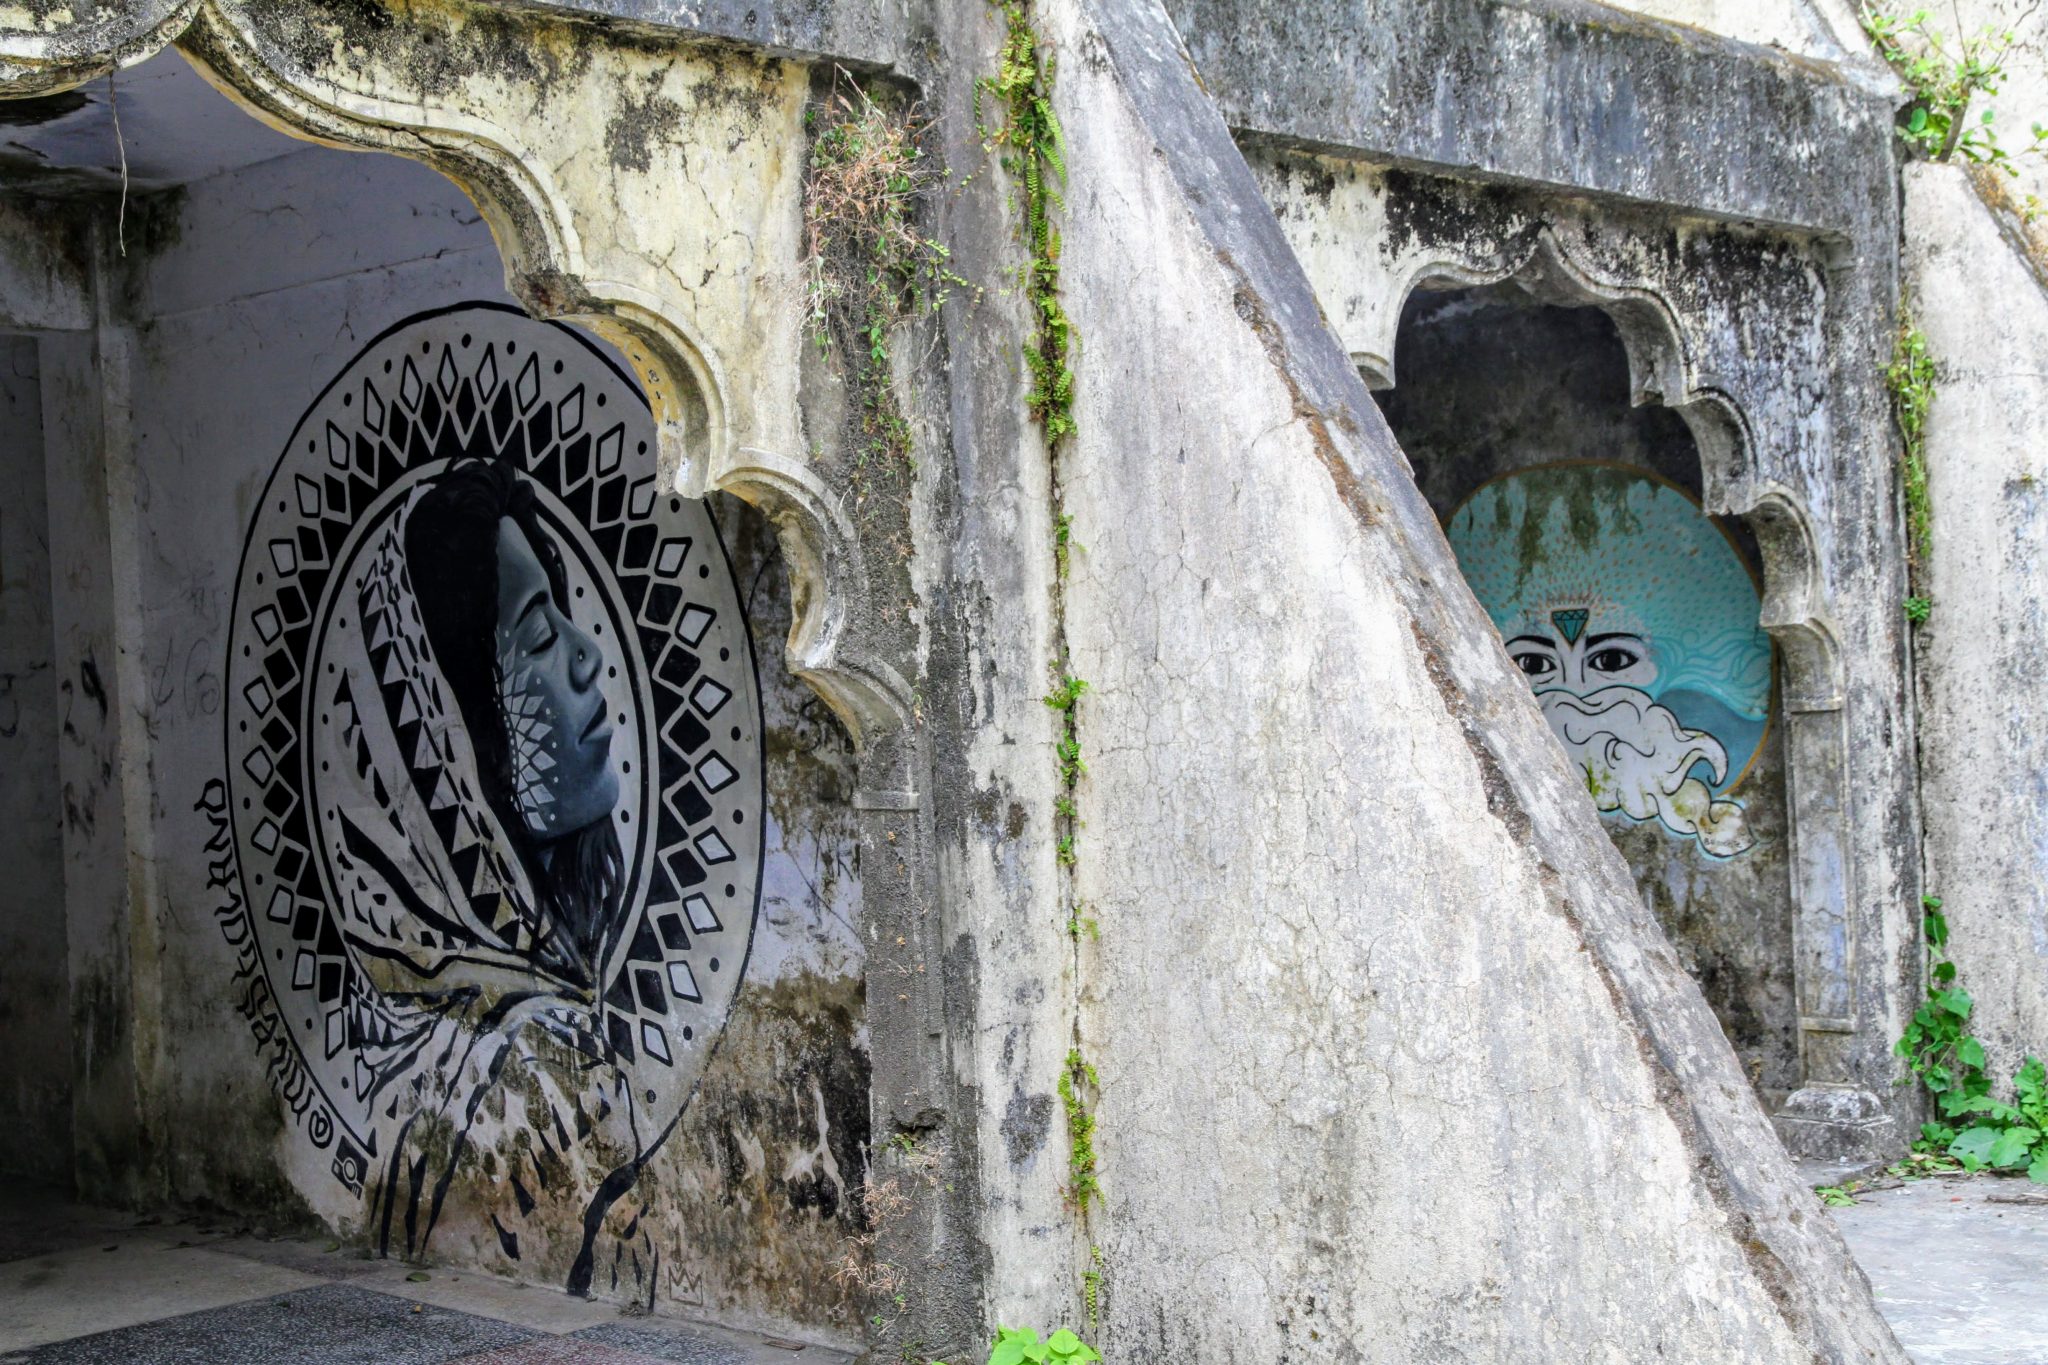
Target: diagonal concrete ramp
(1394, 1064)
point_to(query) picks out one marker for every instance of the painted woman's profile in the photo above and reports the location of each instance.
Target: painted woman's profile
(489, 836)
(494, 599)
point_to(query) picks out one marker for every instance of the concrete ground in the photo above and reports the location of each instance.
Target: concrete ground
(89, 1287)
(1959, 1265)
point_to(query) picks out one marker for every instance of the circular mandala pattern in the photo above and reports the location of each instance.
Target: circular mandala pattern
(488, 783)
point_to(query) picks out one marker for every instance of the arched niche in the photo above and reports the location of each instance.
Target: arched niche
(724, 400)
(1665, 369)
(680, 294)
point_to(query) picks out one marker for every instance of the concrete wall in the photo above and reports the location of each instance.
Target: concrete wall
(1314, 774)
(35, 980)
(258, 287)
(1984, 761)
(1389, 1061)
(1490, 382)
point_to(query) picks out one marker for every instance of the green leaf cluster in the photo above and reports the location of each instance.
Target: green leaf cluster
(1035, 152)
(1076, 1075)
(1910, 377)
(1918, 609)
(1975, 1128)
(1064, 698)
(1018, 1345)
(1944, 78)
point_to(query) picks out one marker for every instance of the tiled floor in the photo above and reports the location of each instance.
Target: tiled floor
(86, 1287)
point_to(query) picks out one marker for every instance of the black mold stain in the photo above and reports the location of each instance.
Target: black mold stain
(38, 109)
(1026, 1121)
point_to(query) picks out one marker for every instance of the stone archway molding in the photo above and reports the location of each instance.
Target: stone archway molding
(576, 146)
(1829, 1115)
(59, 44)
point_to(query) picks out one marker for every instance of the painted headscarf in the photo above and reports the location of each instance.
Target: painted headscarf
(436, 899)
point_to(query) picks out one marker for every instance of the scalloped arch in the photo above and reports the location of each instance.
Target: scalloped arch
(531, 214)
(58, 50)
(1663, 369)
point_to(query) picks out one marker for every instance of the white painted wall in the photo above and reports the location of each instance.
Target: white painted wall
(1983, 746)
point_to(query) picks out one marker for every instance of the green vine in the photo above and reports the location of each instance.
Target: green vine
(1078, 1076)
(1910, 379)
(1973, 1128)
(1032, 149)
(1035, 152)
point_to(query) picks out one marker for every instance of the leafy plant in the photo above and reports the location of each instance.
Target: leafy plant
(1080, 1129)
(1918, 609)
(1974, 1128)
(1910, 377)
(1016, 1345)
(1945, 78)
(869, 266)
(1063, 542)
(1035, 153)
(1839, 1196)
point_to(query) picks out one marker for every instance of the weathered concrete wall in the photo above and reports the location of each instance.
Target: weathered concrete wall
(1765, 348)
(1325, 828)
(1356, 879)
(260, 286)
(1983, 757)
(35, 979)
(1490, 382)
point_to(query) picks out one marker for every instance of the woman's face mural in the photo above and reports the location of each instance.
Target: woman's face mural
(490, 837)
(559, 727)
(1635, 621)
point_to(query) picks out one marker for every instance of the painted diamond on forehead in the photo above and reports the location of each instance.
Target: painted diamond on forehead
(1569, 623)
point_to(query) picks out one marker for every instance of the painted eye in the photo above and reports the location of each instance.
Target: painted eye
(1613, 660)
(1534, 664)
(542, 646)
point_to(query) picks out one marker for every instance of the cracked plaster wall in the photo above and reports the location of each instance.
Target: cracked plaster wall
(1983, 752)
(1357, 879)
(257, 286)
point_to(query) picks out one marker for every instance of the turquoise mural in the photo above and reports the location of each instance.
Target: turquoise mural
(1635, 620)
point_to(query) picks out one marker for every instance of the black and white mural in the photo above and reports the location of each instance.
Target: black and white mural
(489, 836)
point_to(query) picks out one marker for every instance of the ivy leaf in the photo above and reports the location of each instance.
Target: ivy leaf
(1066, 1347)
(2038, 1171)
(2031, 1084)
(2011, 1147)
(1971, 1052)
(1972, 1147)
(1917, 122)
